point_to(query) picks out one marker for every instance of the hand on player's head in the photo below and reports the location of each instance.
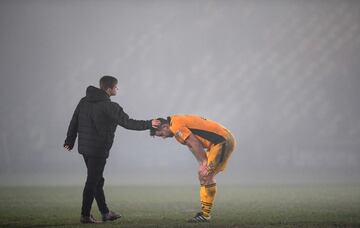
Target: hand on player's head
(155, 123)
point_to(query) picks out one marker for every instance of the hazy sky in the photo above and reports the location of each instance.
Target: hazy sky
(282, 75)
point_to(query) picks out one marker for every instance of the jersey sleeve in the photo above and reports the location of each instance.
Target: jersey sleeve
(181, 133)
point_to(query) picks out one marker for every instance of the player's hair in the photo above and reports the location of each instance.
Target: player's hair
(162, 122)
(107, 82)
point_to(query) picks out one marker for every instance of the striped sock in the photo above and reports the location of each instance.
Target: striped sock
(207, 196)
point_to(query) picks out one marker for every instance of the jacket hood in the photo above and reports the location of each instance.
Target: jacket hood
(94, 94)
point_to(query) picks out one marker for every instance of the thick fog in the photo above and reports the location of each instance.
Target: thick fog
(283, 76)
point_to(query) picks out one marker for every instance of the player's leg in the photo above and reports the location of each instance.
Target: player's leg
(218, 156)
(100, 197)
(95, 167)
(107, 215)
(207, 195)
(208, 183)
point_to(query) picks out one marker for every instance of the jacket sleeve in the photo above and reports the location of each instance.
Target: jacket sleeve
(73, 128)
(117, 114)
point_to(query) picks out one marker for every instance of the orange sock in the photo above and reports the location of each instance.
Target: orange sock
(207, 196)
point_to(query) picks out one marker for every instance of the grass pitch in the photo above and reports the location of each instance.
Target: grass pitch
(144, 206)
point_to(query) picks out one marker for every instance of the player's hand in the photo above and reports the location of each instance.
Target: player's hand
(67, 147)
(203, 169)
(155, 123)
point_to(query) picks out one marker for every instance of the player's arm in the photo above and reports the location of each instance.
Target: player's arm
(72, 129)
(196, 148)
(116, 113)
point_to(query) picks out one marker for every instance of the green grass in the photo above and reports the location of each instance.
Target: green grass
(142, 206)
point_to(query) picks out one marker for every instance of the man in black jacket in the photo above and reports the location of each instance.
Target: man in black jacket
(95, 120)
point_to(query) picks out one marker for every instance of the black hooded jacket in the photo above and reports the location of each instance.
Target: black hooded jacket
(95, 120)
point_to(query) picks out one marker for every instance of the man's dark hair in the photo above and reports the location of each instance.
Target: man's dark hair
(162, 122)
(107, 82)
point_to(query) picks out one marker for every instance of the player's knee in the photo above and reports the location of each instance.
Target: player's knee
(210, 179)
(202, 179)
(200, 175)
(92, 181)
(203, 182)
(101, 182)
(89, 184)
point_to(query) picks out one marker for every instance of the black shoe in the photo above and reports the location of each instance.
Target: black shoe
(199, 218)
(110, 216)
(89, 219)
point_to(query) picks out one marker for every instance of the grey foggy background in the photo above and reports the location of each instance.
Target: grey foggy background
(283, 76)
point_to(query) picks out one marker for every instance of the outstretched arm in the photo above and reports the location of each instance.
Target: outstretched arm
(117, 113)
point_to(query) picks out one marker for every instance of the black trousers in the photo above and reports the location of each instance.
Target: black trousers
(94, 186)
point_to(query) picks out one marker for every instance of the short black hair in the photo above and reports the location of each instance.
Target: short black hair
(162, 122)
(107, 82)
